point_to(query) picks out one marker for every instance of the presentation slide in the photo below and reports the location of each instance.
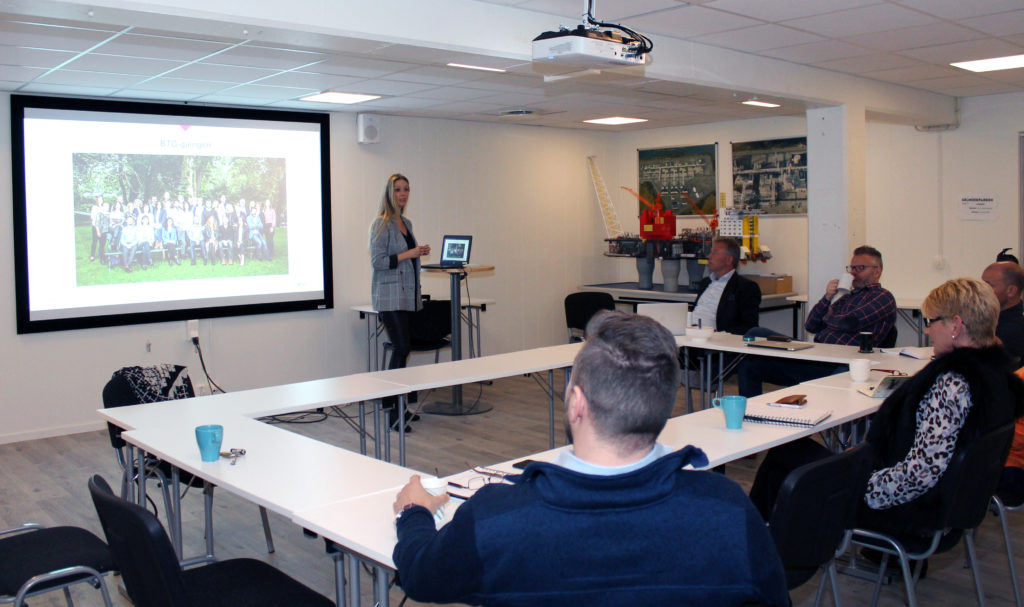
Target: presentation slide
(129, 213)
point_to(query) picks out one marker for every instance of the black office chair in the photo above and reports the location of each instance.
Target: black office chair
(35, 560)
(964, 492)
(1002, 505)
(814, 511)
(138, 385)
(890, 338)
(580, 307)
(153, 578)
(430, 328)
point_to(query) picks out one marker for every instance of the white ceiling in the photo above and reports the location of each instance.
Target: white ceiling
(56, 49)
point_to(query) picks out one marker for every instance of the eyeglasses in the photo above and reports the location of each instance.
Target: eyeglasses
(858, 268)
(928, 321)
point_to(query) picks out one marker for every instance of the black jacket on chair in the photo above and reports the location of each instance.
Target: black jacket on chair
(739, 305)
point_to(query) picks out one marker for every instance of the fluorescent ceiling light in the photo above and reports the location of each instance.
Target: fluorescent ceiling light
(333, 97)
(615, 120)
(757, 103)
(476, 67)
(991, 65)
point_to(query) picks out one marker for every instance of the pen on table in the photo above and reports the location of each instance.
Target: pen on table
(785, 405)
(454, 484)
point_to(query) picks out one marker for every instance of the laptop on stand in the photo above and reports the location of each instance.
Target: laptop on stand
(454, 253)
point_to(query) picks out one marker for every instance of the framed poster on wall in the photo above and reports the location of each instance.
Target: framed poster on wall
(771, 175)
(683, 177)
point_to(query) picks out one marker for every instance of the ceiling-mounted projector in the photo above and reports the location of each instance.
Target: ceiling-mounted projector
(587, 48)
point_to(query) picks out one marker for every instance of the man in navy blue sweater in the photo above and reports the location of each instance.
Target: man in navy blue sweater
(616, 520)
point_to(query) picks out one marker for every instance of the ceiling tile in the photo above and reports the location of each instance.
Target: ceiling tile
(436, 75)
(403, 103)
(33, 57)
(963, 51)
(311, 80)
(59, 89)
(182, 85)
(268, 92)
(826, 50)
(452, 93)
(921, 71)
(1000, 24)
(81, 78)
(117, 64)
(690, 21)
(14, 73)
(992, 88)
(221, 73)
(386, 87)
(914, 37)
(153, 95)
(790, 9)
(350, 65)
(758, 38)
(158, 47)
(268, 57)
(863, 20)
(868, 63)
(961, 9)
(53, 37)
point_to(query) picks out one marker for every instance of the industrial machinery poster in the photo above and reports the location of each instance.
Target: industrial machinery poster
(771, 175)
(683, 177)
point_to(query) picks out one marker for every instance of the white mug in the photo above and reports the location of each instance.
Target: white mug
(435, 486)
(860, 369)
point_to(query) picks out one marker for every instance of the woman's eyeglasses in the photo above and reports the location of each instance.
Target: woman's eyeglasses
(928, 321)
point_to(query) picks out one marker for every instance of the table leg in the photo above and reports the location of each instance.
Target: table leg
(401, 430)
(141, 476)
(362, 427)
(686, 379)
(380, 587)
(376, 429)
(721, 373)
(353, 580)
(174, 518)
(551, 408)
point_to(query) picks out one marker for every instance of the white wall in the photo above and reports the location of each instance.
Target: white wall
(523, 192)
(914, 184)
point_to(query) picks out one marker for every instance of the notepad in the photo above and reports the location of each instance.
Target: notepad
(918, 353)
(765, 414)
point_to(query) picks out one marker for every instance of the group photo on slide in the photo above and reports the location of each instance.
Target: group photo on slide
(146, 217)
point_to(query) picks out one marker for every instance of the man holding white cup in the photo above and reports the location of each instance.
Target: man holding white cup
(868, 307)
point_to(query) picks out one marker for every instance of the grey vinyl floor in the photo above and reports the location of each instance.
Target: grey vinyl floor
(44, 481)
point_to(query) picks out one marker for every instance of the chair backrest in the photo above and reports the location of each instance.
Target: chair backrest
(142, 551)
(581, 306)
(890, 338)
(971, 478)
(816, 504)
(432, 323)
(137, 385)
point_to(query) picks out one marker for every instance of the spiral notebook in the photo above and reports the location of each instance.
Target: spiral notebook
(766, 414)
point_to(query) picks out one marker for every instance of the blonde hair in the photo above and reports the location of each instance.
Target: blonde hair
(387, 209)
(970, 299)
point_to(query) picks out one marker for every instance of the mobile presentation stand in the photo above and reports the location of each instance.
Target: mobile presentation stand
(456, 406)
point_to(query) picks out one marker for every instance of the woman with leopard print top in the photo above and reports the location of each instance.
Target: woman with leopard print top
(965, 392)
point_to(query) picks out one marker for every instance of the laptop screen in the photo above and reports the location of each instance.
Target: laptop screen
(456, 249)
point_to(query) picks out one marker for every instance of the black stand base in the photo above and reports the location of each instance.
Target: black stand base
(445, 408)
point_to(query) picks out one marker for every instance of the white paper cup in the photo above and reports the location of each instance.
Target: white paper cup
(845, 283)
(860, 369)
(435, 486)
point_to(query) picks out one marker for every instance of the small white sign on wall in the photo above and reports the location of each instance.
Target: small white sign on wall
(978, 208)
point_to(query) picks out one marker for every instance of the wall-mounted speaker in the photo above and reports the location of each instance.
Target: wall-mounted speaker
(368, 128)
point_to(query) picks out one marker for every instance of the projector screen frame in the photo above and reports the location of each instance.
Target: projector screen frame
(25, 323)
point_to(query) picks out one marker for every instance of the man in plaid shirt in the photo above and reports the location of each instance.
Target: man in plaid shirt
(868, 307)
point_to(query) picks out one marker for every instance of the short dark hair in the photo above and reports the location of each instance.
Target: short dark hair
(870, 252)
(732, 247)
(628, 369)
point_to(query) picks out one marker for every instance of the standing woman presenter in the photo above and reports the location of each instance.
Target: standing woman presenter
(395, 288)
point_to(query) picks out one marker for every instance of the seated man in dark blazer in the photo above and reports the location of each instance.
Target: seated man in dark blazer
(725, 300)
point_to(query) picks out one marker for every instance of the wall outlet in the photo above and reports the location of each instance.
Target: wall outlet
(191, 329)
(202, 390)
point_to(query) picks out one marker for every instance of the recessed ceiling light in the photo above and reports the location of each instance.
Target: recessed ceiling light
(757, 103)
(615, 120)
(991, 65)
(476, 67)
(334, 97)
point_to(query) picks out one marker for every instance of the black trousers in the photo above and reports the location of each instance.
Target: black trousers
(398, 324)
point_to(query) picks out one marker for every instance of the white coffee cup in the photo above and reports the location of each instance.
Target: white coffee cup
(860, 369)
(435, 486)
(845, 283)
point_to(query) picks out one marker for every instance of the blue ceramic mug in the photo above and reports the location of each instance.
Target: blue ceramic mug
(209, 438)
(734, 407)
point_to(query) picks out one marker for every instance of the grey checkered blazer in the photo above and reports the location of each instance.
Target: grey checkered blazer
(393, 288)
